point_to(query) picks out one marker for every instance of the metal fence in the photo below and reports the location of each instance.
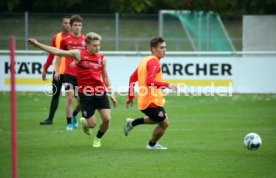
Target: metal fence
(121, 32)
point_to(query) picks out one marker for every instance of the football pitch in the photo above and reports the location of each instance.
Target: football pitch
(205, 139)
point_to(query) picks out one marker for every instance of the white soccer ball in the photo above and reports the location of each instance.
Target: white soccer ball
(252, 141)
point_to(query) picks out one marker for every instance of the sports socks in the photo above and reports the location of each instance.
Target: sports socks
(69, 120)
(100, 134)
(138, 121)
(53, 107)
(151, 143)
(55, 99)
(75, 113)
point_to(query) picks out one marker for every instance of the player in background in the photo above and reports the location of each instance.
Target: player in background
(93, 83)
(57, 84)
(150, 94)
(75, 41)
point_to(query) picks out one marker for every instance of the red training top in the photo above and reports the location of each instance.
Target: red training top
(89, 73)
(69, 44)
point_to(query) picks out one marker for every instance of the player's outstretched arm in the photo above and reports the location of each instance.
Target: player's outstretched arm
(71, 53)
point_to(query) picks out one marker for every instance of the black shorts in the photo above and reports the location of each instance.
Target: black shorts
(157, 114)
(70, 82)
(89, 103)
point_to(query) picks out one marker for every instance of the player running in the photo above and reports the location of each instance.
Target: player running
(150, 95)
(93, 83)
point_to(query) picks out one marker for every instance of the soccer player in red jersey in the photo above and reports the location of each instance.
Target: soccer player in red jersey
(150, 95)
(93, 83)
(57, 84)
(75, 41)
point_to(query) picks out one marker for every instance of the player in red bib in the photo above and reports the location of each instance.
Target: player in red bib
(75, 41)
(93, 81)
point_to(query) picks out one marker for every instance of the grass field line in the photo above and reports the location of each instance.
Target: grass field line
(144, 129)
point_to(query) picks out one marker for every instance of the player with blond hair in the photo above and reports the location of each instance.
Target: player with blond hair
(93, 83)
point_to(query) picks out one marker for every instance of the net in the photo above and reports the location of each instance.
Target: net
(204, 30)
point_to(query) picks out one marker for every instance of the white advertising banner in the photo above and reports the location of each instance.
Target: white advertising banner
(236, 74)
(28, 73)
(200, 74)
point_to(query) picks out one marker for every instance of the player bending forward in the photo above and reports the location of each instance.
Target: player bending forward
(93, 83)
(150, 95)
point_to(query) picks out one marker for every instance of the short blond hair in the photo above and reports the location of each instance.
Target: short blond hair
(92, 36)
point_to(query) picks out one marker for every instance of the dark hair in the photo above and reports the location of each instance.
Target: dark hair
(65, 17)
(155, 42)
(75, 18)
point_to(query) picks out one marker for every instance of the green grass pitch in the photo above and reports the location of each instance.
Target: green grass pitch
(205, 139)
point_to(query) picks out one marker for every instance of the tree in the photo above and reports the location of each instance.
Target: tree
(133, 6)
(228, 7)
(9, 5)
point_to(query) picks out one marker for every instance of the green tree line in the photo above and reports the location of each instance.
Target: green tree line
(227, 7)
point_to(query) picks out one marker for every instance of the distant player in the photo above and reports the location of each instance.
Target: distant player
(150, 95)
(57, 84)
(93, 83)
(74, 41)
